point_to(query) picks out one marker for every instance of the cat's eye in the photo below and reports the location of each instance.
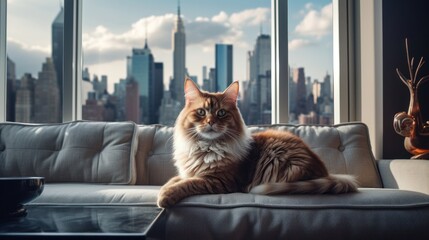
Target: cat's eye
(221, 113)
(201, 112)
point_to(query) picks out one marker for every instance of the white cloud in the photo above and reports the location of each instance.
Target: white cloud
(298, 43)
(309, 6)
(31, 48)
(220, 18)
(101, 44)
(252, 17)
(316, 23)
(28, 59)
(202, 19)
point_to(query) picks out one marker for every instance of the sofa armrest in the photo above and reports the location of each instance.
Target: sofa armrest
(407, 174)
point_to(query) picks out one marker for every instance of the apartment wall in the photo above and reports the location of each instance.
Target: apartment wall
(402, 19)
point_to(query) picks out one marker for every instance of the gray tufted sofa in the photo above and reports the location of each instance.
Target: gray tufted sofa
(98, 163)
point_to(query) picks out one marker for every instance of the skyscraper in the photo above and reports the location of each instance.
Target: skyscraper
(326, 91)
(11, 89)
(257, 95)
(157, 93)
(46, 95)
(143, 71)
(260, 59)
(132, 101)
(99, 86)
(223, 66)
(92, 109)
(301, 91)
(179, 59)
(57, 50)
(25, 99)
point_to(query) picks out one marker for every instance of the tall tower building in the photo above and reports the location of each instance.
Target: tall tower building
(143, 71)
(99, 86)
(179, 59)
(301, 91)
(260, 61)
(157, 93)
(86, 85)
(169, 109)
(57, 50)
(259, 76)
(25, 99)
(326, 91)
(212, 80)
(223, 66)
(132, 101)
(47, 95)
(11, 89)
(120, 93)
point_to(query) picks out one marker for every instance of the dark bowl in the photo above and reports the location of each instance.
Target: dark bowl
(17, 191)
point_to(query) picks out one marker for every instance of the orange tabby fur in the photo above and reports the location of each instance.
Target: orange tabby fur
(215, 153)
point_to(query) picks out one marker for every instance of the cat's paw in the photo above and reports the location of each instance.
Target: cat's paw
(166, 198)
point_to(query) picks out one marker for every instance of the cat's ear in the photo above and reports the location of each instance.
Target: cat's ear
(231, 93)
(192, 92)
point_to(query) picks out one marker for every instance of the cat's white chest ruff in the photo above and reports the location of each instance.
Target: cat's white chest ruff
(208, 152)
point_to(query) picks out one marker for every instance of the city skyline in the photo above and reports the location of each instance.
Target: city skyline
(301, 15)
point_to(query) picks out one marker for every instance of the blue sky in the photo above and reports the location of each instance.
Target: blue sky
(112, 28)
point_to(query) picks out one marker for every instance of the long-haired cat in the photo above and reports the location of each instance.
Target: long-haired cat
(214, 152)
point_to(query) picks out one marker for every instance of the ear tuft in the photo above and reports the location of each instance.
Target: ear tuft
(231, 93)
(191, 90)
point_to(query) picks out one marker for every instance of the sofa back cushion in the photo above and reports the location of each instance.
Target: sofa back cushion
(154, 155)
(80, 151)
(344, 148)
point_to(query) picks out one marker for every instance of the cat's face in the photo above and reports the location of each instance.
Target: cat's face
(210, 115)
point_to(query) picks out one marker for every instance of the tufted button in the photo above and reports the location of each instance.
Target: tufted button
(341, 148)
(2, 147)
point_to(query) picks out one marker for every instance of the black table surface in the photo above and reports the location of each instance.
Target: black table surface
(68, 222)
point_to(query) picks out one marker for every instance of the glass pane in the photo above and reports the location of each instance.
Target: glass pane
(310, 62)
(34, 63)
(137, 53)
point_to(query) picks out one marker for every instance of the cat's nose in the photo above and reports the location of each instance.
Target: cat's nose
(211, 121)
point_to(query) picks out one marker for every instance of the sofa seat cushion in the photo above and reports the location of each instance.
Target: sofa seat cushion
(97, 194)
(368, 214)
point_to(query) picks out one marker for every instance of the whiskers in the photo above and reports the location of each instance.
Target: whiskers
(233, 134)
(191, 135)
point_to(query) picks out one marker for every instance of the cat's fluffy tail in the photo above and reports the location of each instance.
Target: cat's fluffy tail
(334, 183)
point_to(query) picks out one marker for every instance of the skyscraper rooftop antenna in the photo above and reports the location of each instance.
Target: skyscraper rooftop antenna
(178, 8)
(145, 34)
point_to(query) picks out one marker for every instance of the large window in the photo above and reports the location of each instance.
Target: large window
(310, 37)
(135, 55)
(134, 67)
(34, 61)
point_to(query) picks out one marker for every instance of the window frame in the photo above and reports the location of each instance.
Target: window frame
(279, 57)
(72, 67)
(3, 61)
